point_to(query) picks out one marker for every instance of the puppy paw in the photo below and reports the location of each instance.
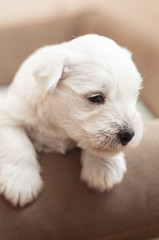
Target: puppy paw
(20, 185)
(103, 175)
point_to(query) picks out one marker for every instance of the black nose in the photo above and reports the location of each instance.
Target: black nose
(125, 136)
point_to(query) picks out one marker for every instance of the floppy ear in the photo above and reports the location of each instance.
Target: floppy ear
(48, 73)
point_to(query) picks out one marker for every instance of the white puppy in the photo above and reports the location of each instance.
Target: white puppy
(82, 93)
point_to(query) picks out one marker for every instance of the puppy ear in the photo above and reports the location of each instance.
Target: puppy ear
(48, 73)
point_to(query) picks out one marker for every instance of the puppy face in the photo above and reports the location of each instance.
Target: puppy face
(95, 100)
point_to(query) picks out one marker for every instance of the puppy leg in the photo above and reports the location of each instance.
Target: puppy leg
(102, 173)
(20, 180)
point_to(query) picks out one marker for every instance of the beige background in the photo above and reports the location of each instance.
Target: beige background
(28, 25)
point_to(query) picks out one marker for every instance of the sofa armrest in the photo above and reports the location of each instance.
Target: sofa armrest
(67, 209)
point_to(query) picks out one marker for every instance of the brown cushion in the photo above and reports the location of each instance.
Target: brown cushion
(67, 209)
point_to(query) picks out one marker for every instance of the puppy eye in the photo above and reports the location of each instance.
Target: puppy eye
(97, 98)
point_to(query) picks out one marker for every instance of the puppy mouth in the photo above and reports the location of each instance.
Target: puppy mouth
(115, 142)
(103, 148)
(108, 149)
(107, 143)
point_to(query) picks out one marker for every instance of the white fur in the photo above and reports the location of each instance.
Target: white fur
(47, 108)
(102, 173)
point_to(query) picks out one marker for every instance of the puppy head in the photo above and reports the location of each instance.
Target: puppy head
(96, 93)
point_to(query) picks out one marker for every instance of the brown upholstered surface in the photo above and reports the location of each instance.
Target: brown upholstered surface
(67, 209)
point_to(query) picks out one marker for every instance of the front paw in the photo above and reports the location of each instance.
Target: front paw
(20, 185)
(103, 175)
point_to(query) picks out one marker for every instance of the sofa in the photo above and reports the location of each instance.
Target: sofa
(67, 209)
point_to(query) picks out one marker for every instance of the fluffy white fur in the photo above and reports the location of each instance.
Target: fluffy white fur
(47, 108)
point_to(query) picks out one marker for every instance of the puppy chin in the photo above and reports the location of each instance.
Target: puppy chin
(102, 152)
(105, 153)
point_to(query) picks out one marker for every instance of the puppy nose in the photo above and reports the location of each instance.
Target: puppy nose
(125, 136)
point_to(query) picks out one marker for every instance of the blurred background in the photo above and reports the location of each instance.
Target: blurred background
(26, 25)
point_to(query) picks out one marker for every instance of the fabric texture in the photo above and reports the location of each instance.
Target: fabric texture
(67, 209)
